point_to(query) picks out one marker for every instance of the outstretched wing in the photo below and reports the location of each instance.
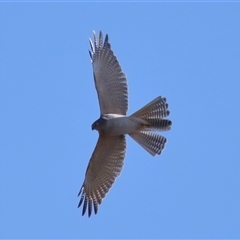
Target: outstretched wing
(104, 166)
(110, 81)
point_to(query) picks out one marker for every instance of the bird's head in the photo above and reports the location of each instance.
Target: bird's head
(99, 124)
(94, 125)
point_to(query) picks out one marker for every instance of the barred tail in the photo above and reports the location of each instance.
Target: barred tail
(153, 113)
(150, 141)
(152, 116)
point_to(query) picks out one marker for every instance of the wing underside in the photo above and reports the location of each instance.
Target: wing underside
(110, 81)
(104, 166)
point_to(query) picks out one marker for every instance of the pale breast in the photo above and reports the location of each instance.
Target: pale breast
(121, 126)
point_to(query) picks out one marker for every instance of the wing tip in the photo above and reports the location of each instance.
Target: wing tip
(88, 203)
(98, 41)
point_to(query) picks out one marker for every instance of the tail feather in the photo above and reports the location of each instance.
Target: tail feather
(150, 141)
(151, 117)
(159, 124)
(153, 113)
(156, 109)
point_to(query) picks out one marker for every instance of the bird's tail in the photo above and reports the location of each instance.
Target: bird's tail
(152, 114)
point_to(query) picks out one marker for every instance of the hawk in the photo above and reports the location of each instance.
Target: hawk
(113, 124)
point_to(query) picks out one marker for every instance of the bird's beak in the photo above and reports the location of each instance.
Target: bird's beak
(92, 127)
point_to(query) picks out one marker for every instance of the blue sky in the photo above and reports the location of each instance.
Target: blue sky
(186, 52)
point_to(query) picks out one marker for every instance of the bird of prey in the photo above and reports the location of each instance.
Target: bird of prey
(113, 124)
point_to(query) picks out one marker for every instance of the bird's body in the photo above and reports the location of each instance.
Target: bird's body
(116, 124)
(107, 159)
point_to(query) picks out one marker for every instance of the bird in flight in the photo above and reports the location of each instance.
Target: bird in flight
(113, 124)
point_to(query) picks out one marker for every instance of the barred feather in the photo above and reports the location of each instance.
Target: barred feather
(150, 141)
(156, 109)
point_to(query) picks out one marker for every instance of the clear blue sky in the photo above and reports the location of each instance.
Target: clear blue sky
(186, 52)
